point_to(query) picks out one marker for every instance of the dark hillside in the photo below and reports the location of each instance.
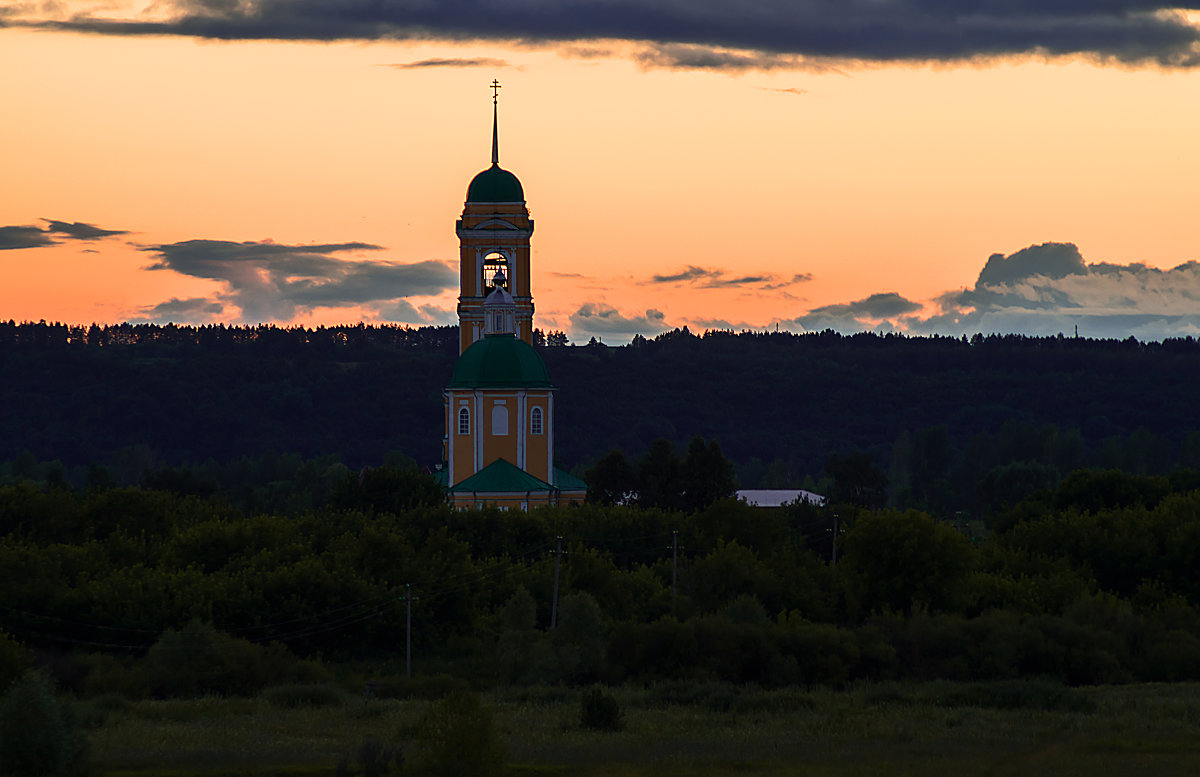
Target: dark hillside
(191, 394)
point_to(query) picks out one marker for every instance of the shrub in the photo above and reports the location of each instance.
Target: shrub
(457, 738)
(106, 674)
(14, 659)
(305, 695)
(600, 711)
(37, 737)
(374, 760)
(421, 687)
(772, 702)
(1047, 695)
(199, 660)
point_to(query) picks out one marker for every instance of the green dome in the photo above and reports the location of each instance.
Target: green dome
(495, 185)
(500, 361)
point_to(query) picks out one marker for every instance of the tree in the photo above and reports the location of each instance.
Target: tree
(856, 480)
(706, 475)
(612, 481)
(386, 489)
(659, 477)
(898, 562)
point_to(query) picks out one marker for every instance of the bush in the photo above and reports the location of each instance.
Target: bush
(1045, 695)
(430, 687)
(374, 760)
(37, 737)
(305, 695)
(199, 660)
(106, 674)
(600, 711)
(457, 738)
(14, 660)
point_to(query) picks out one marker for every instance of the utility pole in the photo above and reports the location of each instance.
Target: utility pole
(408, 630)
(674, 571)
(554, 600)
(835, 538)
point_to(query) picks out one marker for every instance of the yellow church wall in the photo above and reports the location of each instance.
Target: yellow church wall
(537, 445)
(499, 446)
(462, 446)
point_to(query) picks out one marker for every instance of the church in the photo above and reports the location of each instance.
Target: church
(498, 447)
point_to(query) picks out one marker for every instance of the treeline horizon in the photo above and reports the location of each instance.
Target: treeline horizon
(949, 422)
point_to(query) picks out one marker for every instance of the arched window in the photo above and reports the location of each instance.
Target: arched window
(499, 421)
(535, 421)
(464, 421)
(492, 263)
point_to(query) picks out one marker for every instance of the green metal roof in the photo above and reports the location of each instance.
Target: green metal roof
(500, 361)
(565, 481)
(501, 477)
(495, 184)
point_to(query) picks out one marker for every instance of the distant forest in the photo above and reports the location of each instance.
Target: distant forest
(946, 421)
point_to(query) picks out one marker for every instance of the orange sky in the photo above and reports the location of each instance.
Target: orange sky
(859, 179)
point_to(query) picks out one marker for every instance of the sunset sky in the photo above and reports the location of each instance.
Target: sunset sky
(897, 165)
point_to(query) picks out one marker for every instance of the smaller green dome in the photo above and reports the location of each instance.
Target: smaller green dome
(495, 184)
(500, 361)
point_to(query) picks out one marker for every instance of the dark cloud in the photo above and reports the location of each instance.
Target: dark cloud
(1052, 260)
(31, 236)
(404, 312)
(12, 238)
(873, 312)
(194, 310)
(723, 325)
(784, 91)
(601, 320)
(681, 56)
(1048, 289)
(80, 231)
(270, 282)
(745, 280)
(713, 34)
(690, 274)
(450, 62)
(1044, 289)
(706, 278)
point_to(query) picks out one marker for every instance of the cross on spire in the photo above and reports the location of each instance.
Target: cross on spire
(495, 140)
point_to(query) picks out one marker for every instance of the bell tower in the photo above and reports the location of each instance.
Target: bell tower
(493, 237)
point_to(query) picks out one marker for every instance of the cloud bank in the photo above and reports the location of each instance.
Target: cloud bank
(269, 281)
(712, 278)
(604, 322)
(1044, 289)
(32, 236)
(711, 34)
(450, 62)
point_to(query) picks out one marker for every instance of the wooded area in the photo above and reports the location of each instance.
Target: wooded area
(949, 421)
(1005, 507)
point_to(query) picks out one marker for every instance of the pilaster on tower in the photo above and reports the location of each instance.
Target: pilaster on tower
(493, 235)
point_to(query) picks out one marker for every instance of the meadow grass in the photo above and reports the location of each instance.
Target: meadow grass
(902, 729)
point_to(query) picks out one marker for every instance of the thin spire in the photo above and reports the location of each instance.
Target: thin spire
(495, 141)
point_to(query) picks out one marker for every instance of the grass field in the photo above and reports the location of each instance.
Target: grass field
(911, 729)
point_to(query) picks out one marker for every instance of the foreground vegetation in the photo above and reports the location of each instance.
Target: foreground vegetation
(1015, 728)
